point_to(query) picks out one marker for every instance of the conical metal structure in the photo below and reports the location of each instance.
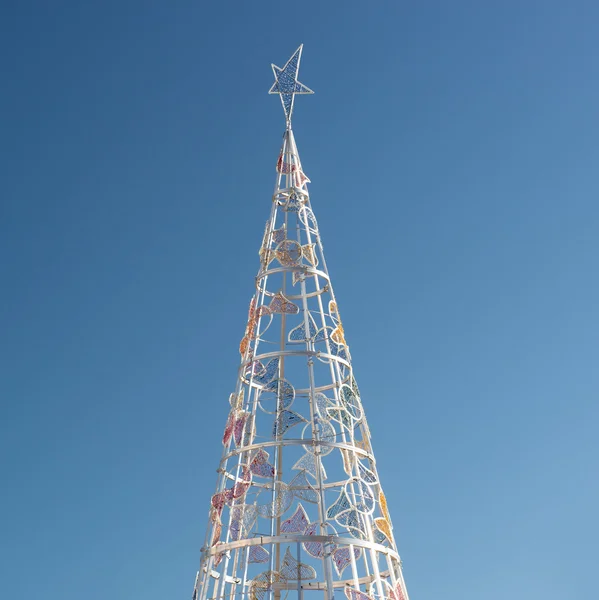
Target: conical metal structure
(298, 507)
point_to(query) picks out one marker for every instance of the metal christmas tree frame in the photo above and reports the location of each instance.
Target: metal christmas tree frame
(298, 505)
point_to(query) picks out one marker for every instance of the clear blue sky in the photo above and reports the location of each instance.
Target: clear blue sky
(453, 149)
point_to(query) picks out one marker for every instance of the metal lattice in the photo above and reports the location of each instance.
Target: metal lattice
(298, 505)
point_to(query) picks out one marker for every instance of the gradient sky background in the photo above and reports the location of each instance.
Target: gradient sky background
(453, 152)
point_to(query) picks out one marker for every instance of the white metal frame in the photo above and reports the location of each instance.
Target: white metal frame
(332, 527)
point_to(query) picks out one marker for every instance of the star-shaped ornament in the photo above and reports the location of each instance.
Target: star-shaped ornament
(286, 83)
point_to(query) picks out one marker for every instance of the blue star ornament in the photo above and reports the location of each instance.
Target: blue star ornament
(286, 83)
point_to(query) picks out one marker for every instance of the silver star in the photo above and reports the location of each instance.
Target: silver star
(286, 83)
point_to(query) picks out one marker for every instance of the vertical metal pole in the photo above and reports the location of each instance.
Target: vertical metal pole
(279, 461)
(354, 567)
(299, 573)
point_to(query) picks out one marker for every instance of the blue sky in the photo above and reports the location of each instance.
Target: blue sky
(453, 153)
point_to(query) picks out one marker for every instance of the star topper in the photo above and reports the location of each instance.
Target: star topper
(287, 85)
